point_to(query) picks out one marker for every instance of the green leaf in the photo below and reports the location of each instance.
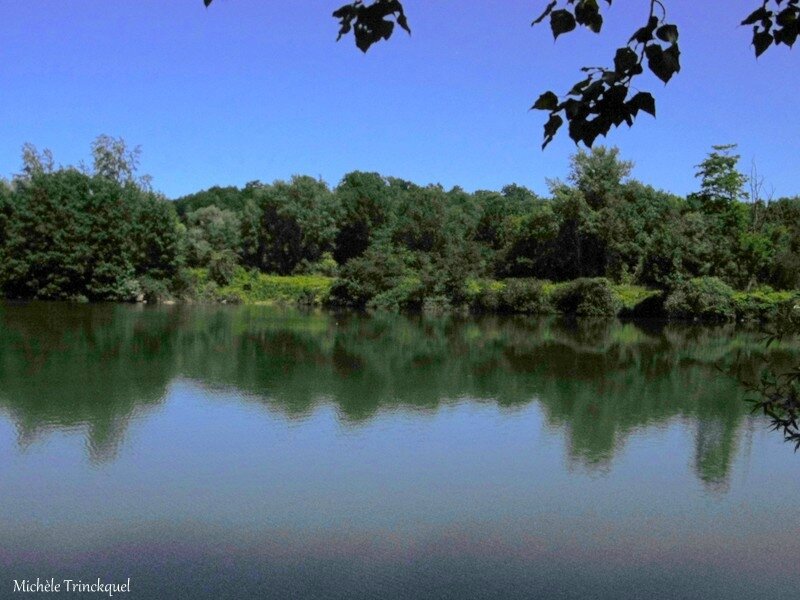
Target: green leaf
(547, 101)
(587, 13)
(580, 86)
(624, 60)
(663, 64)
(403, 22)
(755, 16)
(788, 34)
(762, 40)
(667, 33)
(550, 128)
(787, 16)
(643, 101)
(561, 21)
(645, 34)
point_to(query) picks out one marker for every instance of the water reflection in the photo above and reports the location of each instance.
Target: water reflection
(94, 368)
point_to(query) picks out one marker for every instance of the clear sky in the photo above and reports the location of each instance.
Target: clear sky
(257, 89)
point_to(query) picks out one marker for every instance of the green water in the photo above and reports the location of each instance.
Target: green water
(236, 452)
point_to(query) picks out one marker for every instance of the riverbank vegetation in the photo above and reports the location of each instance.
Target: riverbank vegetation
(600, 244)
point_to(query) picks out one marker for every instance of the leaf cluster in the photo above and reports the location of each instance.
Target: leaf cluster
(602, 99)
(774, 22)
(370, 23)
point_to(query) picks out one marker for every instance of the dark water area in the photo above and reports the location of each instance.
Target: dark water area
(237, 452)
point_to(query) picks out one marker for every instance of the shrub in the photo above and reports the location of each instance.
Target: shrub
(405, 295)
(706, 298)
(630, 296)
(760, 304)
(436, 305)
(222, 266)
(371, 274)
(526, 296)
(253, 287)
(586, 298)
(326, 266)
(154, 290)
(483, 295)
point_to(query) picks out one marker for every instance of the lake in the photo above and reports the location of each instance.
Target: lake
(236, 452)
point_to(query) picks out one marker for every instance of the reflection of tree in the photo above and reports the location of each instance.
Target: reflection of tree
(73, 367)
(94, 367)
(715, 442)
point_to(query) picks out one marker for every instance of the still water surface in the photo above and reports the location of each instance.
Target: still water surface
(237, 452)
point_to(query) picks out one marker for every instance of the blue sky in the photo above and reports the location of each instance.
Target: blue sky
(251, 89)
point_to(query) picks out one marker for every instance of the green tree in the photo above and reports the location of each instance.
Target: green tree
(364, 201)
(211, 230)
(112, 159)
(298, 223)
(599, 175)
(156, 238)
(65, 239)
(68, 234)
(722, 185)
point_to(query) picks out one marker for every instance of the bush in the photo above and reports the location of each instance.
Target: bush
(374, 273)
(222, 266)
(253, 287)
(406, 295)
(154, 290)
(525, 296)
(630, 296)
(761, 304)
(706, 298)
(436, 305)
(326, 266)
(586, 298)
(483, 295)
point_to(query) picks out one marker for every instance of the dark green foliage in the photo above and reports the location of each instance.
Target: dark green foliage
(774, 22)
(364, 204)
(156, 238)
(210, 232)
(762, 304)
(156, 290)
(601, 100)
(524, 296)
(587, 298)
(721, 184)
(705, 298)
(377, 273)
(222, 266)
(394, 245)
(66, 234)
(781, 222)
(226, 198)
(369, 23)
(297, 223)
(66, 239)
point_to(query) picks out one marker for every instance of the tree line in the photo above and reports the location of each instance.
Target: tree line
(99, 232)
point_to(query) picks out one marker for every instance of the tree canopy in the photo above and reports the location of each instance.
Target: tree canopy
(602, 98)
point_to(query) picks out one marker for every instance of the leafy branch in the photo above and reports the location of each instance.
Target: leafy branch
(601, 101)
(775, 22)
(370, 23)
(778, 395)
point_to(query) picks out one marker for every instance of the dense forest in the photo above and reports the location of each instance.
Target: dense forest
(601, 243)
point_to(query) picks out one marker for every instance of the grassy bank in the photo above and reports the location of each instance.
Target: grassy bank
(252, 287)
(705, 299)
